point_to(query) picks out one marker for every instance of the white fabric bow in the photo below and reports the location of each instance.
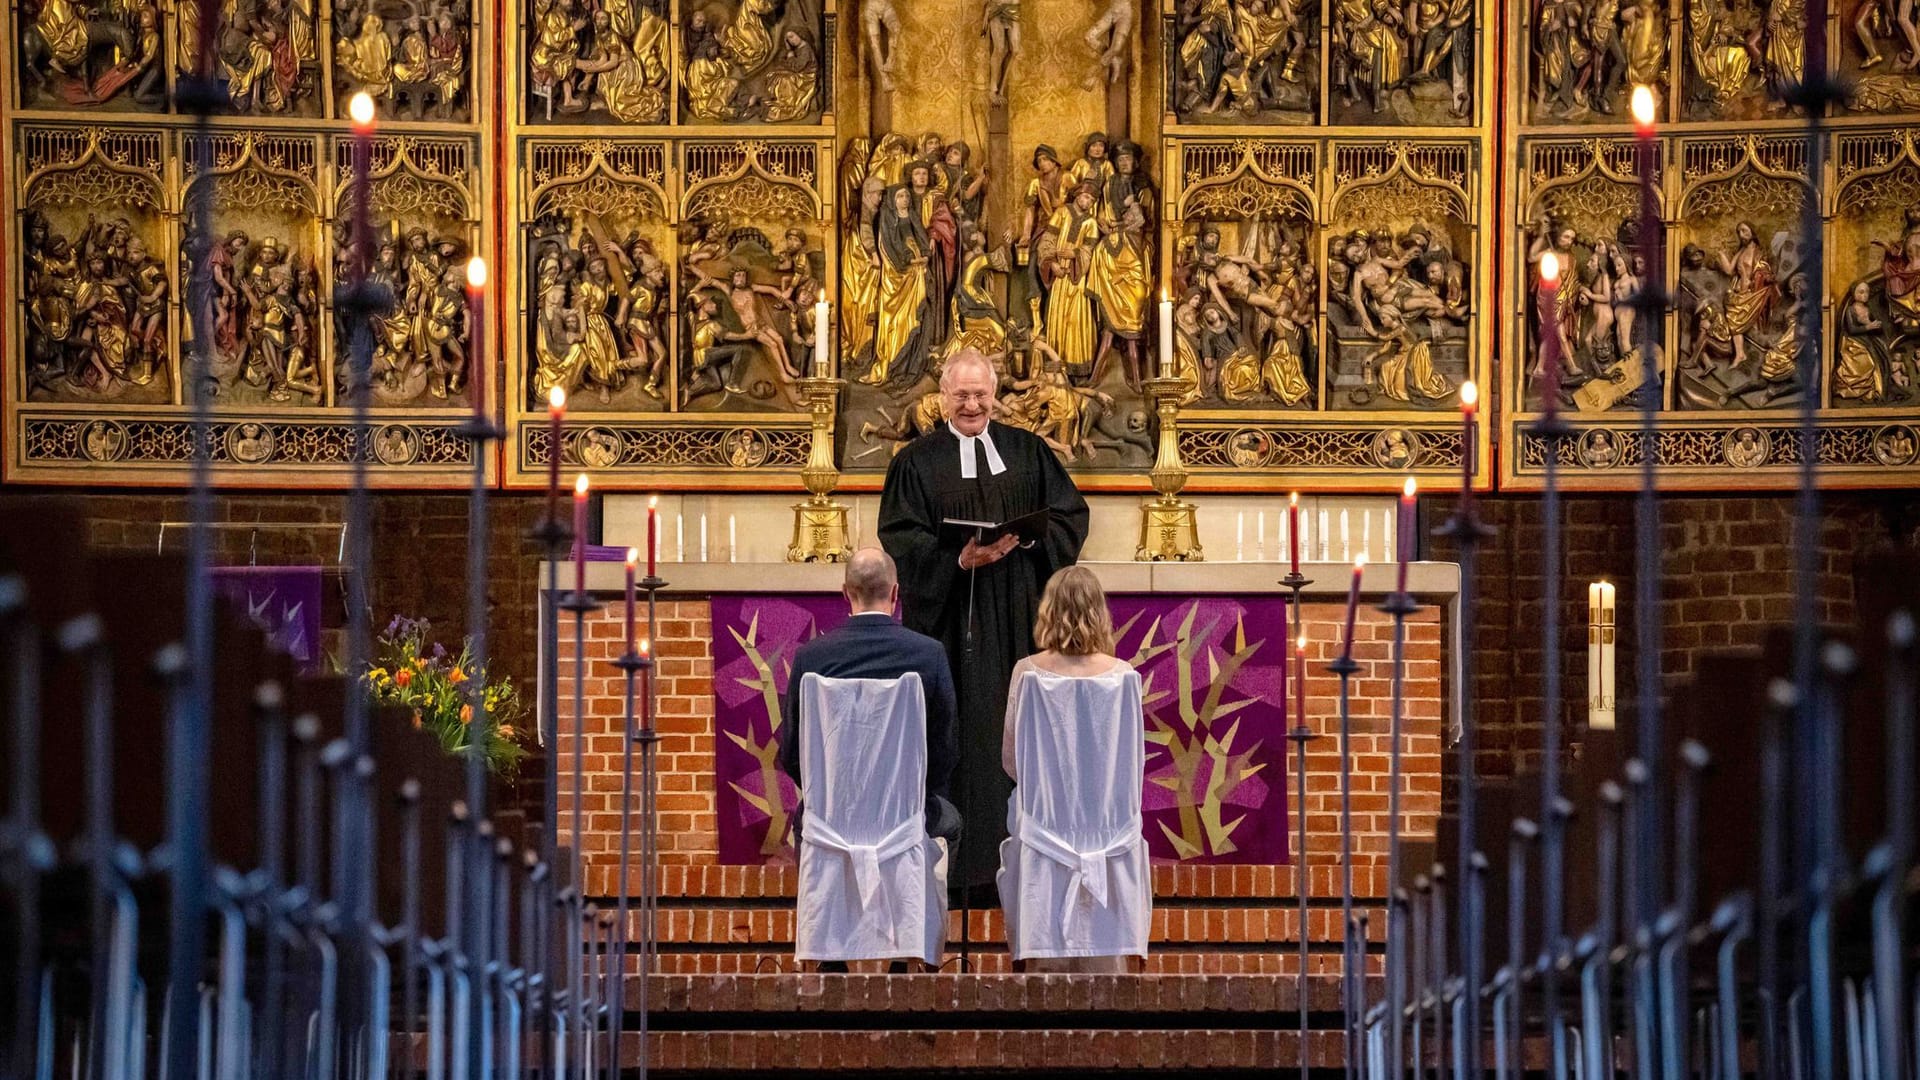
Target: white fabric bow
(866, 859)
(969, 456)
(1089, 867)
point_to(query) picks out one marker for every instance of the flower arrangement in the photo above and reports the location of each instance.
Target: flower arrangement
(438, 688)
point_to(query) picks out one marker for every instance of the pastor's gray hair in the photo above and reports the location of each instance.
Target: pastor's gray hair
(963, 359)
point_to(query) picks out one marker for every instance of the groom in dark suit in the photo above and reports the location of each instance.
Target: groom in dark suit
(872, 644)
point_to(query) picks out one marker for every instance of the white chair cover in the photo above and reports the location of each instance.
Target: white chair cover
(873, 885)
(1074, 877)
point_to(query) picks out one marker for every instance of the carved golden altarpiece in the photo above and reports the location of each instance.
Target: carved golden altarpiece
(1314, 187)
(100, 172)
(1731, 187)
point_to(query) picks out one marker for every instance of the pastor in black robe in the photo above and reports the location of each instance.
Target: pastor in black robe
(924, 486)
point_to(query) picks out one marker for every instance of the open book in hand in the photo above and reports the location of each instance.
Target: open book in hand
(1028, 527)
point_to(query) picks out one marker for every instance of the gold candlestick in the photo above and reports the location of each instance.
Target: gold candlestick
(1168, 527)
(820, 523)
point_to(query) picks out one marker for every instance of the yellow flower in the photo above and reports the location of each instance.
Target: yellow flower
(420, 663)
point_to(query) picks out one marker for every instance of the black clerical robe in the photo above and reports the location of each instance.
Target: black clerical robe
(924, 485)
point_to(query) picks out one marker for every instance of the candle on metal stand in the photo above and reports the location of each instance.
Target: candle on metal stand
(1300, 683)
(580, 535)
(646, 679)
(653, 534)
(1353, 607)
(1285, 635)
(1469, 433)
(820, 336)
(1293, 530)
(360, 111)
(1404, 539)
(1550, 334)
(633, 558)
(680, 538)
(477, 336)
(556, 417)
(1166, 338)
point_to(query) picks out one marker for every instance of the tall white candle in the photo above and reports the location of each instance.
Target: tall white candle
(1259, 536)
(1323, 535)
(703, 537)
(680, 538)
(1346, 538)
(1166, 339)
(733, 544)
(1366, 533)
(1240, 535)
(820, 336)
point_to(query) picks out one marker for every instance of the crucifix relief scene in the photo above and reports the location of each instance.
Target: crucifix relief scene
(608, 539)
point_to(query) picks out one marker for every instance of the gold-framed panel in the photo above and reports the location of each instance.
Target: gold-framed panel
(1344, 309)
(1729, 150)
(277, 146)
(668, 221)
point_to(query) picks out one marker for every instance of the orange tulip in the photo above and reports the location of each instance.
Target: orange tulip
(402, 677)
(466, 714)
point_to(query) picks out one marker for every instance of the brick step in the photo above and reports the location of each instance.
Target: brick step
(1249, 924)
(920, 1052)
(879, 1024)
(1196, 962)
(964, 1001)
(1265, 882)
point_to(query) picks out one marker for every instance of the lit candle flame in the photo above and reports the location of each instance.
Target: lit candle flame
(580, 486)
(556, 399)
(1303, 641)
(1359, 562)
(646, 646)
(1408, 487)
(1469, 394)
(1293, 499)
(1642, 106)
(1550, 268)
(633, 554)
(476, 273)
(360, 110)
(653, 501)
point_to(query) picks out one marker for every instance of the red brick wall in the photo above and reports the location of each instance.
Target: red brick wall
(689, 829)
(1726, 582)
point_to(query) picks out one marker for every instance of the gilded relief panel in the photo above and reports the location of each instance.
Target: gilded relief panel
(605, 62)
(1583, 59)
(669, 289)
(97, 287)
(750, 61)
(1059, 299)
(1257, 62)
(1399, 313)
(415, 57)
(1411, 64)
(1742, 58)
(1245, 282)
(1326, 300)
(78, 56)
(1874, 285)
(1583, 208)
(423, 223)
(1879, 54)
(266, 346)
(1741, 292)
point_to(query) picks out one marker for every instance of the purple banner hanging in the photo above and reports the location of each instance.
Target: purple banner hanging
(1210, 670)
(1216, 738)
(283, 601)
(754, 639)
